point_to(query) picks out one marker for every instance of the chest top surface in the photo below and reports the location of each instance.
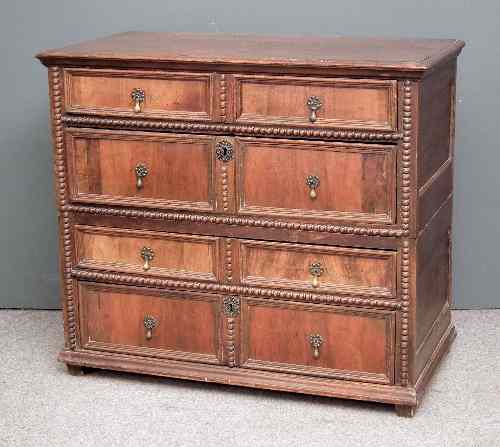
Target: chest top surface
(412, 55)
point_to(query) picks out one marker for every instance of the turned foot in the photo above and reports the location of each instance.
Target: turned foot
(76, 370)
(406, 411)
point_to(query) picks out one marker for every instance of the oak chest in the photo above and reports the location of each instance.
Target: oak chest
(257, 211)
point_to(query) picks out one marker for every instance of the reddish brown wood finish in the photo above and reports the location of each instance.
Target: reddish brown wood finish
(344, 270)
(229, 285)
(175, 255)
(344, 103)
(112, 319)
(276, 337)
(180, 169)
(404, 56)
(167, 95)
(356, 182)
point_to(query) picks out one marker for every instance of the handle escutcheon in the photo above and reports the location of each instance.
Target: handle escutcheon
(147, 255)
(149, 324)
(314, 104)
(315, 340)
(316, 270)
(138, 96)
(312, 181)
(141, 171)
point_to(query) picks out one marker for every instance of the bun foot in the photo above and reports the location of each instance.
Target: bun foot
(406, 411)
(76, 370)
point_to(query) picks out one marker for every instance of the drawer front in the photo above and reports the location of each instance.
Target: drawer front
(370, 104)
(139, 93)
(141, 169)
(149, 322)
(148, 253)
(317, 180)
(318, 340)
(318, 268)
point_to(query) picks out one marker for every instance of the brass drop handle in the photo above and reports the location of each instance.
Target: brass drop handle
(147, 255)
(149, 324)
(316, 270)
(314, 104)
(138, 96)
(141, 171)
(315, 340)
(312, 181)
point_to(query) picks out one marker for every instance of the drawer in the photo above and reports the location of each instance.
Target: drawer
(141, 169)
(316, 180)
(318, 268)
(149, 253)
(186, 96)
(327, 341)
(149, 322)
(318, 102)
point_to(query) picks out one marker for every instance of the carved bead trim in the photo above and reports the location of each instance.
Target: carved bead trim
(182, 126)
(241, 221)
(405, 302)
(225, 188)
(406, 157)
(405, 224)
(231, 308)
(122, 278)
(223, 94)
(56, 100)
(229, 260)
(230, 343)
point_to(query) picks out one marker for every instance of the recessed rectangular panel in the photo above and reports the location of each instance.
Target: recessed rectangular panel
(318, 340)
(149, 322)
(318, 268)
(285, 100)
(161, 94)
(169, 254)
(141, 169)
(317, 180)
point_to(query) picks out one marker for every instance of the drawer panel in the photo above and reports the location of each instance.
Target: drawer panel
(139, 93)
(141, 169)
(318, 340)
(148, 253)
(318, 268)
(149, 322)
(317, 180)
(370, 104)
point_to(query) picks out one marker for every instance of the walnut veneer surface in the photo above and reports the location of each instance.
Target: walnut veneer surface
(257, 211)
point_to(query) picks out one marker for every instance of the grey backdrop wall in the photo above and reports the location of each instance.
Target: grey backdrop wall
(28, 243)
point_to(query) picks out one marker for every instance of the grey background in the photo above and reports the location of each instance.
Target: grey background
(28, 242)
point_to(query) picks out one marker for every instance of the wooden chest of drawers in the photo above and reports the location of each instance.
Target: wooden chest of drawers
(256, 211)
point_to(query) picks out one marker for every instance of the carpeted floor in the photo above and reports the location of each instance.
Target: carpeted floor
(41, 405)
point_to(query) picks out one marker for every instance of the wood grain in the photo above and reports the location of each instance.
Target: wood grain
(306, 52)
(357, 182)
(180, 169)
(237, 228)
(276, 338)
(167, 95)
(345, 103)
(175, 255)
(346, 270)
(112, 319)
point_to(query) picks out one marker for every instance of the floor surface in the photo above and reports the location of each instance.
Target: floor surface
(42, 405)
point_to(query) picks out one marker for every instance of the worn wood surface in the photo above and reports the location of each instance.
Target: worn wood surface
(276, 337)
(356, 182)
(343, 270)
(303, 51)
(234, 233)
